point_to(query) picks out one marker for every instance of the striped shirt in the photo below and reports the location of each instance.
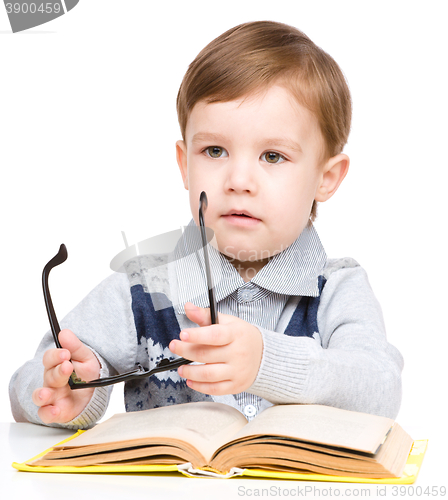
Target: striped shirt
(260, 301)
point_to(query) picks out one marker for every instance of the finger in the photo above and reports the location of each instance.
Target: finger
(49, 414)
(54, 357)
(198, 315)
(199, 352)
(78, 350)
(43, 396)
(217, 335)
(201, 315)
(59, 375)
(210, 372)
(213, 388)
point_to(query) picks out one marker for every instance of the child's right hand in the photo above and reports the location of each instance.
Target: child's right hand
(58, 403)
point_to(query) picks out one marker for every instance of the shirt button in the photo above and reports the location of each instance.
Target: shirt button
(247, 295)
(249, 410)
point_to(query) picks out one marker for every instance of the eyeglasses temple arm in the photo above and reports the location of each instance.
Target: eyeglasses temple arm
(59, 258)
(54, 324)
(203, 203)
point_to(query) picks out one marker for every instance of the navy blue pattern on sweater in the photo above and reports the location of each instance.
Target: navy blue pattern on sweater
(303, 322)
(158, 327)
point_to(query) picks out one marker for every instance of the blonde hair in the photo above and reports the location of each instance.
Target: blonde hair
(253, 56)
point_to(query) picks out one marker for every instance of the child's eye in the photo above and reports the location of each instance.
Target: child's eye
(215, 152)
(273, 157)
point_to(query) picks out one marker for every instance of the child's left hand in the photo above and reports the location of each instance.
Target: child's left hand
(231, 351)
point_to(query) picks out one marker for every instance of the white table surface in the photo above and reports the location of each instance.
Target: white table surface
(20, 441)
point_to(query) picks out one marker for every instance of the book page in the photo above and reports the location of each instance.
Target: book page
(321, 424)
(204, 425)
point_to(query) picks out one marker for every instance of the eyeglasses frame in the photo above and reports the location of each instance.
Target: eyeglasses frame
(164, 365)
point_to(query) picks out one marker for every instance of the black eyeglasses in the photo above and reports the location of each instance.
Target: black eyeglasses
(165, 365)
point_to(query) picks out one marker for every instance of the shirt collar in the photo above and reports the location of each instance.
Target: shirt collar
(294, 271)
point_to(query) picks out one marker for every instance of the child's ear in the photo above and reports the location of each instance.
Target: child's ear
(181, 157)
(333, 173)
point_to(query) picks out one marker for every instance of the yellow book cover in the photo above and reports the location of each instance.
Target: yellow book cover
(301, 442)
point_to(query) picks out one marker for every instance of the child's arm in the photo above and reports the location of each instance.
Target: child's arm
(350, 366)
(104, 323)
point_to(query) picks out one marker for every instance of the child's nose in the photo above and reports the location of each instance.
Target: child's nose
(241, 176)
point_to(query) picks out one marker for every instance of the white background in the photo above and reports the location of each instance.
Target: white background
(87, 132)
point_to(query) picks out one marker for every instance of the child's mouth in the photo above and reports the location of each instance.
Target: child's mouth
(240, 219)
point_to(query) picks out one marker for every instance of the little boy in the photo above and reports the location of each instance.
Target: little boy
(264, 115)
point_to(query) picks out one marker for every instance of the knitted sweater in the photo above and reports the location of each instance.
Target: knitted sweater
(328, 349)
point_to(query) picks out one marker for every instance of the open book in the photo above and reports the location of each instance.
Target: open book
(213, 436)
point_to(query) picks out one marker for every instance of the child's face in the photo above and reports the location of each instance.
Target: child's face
(260, 155)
